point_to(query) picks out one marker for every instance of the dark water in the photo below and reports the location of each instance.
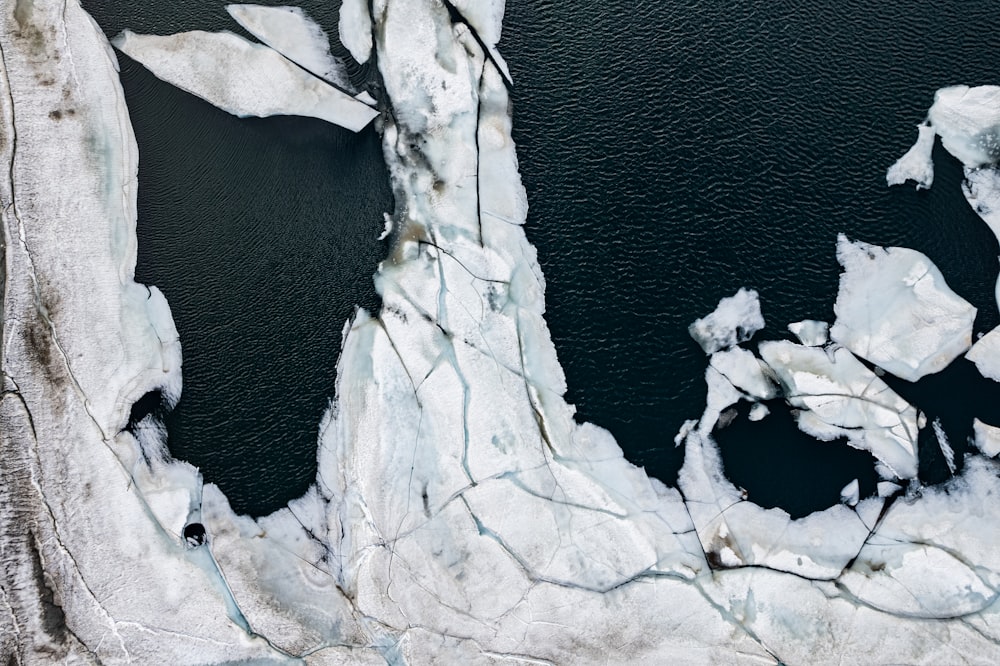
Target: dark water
(262, 235)
(675, 151)
(672, 152)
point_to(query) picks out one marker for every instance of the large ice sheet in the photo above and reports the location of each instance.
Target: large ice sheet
(895, 310)
(243, 78)
(290, 32)
(460, 514)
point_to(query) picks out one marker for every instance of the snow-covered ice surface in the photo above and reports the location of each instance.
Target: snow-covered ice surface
(243, 78)
(355, 29)
(895, 310)
(916, 164)
(290, 32)
(810, 332)
(460, 514)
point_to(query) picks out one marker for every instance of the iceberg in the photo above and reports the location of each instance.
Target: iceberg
(460, 514)
(290, 32)
(243, 78)
(895, 310)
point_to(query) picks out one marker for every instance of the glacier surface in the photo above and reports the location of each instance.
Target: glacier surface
(460, 514)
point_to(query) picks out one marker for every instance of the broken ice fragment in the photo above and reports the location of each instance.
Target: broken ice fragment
(840, 397)
(851, 493)
(243, 78)
(986, 355)
(733, 321)
(746, 372)
(290, 32)
(987, 438)
(895, 310)
(810, 332)
(355, 28)
(758, 412)
(916, 164)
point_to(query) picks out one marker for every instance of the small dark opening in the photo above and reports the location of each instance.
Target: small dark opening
(194, 534)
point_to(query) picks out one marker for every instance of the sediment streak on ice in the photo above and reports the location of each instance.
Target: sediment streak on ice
(460, 514)
(243, 78)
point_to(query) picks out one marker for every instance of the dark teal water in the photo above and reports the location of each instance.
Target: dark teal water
(676, 151)
(262, 235)
(672, 152)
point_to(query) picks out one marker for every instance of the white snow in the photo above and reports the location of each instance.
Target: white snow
(987, 438)
(734, 320)
(290, 32)
(810, 332)
(355, 28)
(243, 78)
(840, 397)
(895, 310)
(916, 164)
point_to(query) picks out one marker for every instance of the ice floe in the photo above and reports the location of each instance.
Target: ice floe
(355, 28)
(895, 310)
(243, 78)
(916, 164)
(733, 321)
(290, 32)
(987, 438)
(839, 397)
(810, 332)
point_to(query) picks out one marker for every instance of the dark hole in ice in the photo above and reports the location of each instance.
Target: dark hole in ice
(780, 466)
(151, 404)
(194, 534)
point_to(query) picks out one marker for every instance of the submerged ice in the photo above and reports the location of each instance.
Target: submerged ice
(460, 514)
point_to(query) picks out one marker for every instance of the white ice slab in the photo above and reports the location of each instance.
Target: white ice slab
(895, 310)
(916, 164)
(810, 332)
(840, 397)
(355, 29)
(290, 32)
(243, 78)
(986, 355)
(735, 319)
(987, 438)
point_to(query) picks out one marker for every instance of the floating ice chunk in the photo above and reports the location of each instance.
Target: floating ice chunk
(916, 164)
(243, 78)
(733, 321)
(946, 450)
(758, 412)
(895, 310)
(987, 438)
(355, 28)
(887, 488)
(986, 355)
(851, 493)
(810, 332)
(290, 32)
(746, 372)
(840, 397)
(968, 122)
